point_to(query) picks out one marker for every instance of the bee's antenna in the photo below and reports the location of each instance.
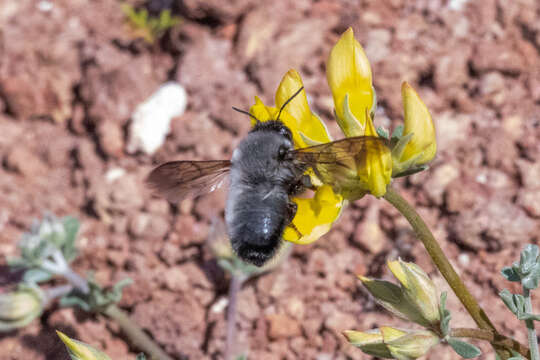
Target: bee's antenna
(246, 113)
(288, 101)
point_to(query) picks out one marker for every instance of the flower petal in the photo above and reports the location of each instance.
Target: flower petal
(298, 107)
(378, 170)
(261, 111)
(314, 216)
(418, 122)
(348, 72)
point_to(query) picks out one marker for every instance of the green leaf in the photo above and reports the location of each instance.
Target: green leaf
(165, 18)
(382, 132)
(508, 299)
(398, 149)
(464, 349)
(528, 258)
(17, 263)
(241, 357)
(510, 274)
(411, 171)
(349, 124)
(140, 356)
(73, 300)
(36, 276)
(71, 228)
(530, 281)
(444, 314)
(528, 316)
(397, 133)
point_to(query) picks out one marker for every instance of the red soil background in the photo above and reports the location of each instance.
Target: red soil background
(71, 76)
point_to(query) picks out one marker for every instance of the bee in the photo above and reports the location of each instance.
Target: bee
(265, 172)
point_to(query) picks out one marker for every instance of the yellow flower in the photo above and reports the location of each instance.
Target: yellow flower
(350, 80)
(377, 171)
(349, 76)
(418, 144)
(314, 216)
(388, 342)
(81, 351)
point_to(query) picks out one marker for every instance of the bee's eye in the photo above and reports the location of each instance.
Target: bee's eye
(286, 132)
(282, 152)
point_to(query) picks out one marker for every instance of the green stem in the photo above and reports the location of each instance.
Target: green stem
(531, 331)
(493, 338)
(134, 333)
(441, 261)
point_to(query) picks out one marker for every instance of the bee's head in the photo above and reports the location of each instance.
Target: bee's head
(274, 126)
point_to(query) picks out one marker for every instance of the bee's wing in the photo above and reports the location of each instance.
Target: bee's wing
(338, 163)
(177, 180)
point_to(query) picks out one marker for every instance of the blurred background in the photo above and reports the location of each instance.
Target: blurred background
(82, 123)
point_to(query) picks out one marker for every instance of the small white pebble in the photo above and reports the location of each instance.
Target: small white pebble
(457, 5)
(481, 178)
(150, 122)
(219, 305)
(113, 174)
(464, 260)
(45, 6)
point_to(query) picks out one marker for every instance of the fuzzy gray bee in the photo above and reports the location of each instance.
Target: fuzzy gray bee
(265, 172)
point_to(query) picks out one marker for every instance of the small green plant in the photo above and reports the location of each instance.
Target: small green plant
(149, 27)
(416, 300)
(45, 254)
(526, 272)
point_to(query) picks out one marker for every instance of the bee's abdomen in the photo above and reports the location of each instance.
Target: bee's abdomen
(255, 226)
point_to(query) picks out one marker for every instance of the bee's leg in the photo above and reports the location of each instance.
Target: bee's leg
(291, 211)
(306, 182)
(292, 226)
(300, 186)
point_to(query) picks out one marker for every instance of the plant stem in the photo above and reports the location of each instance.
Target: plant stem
(441, 261)
(76, 280)
(531, 331)
(493, 338)
(56, 292)
(136, 336)
(234, 288)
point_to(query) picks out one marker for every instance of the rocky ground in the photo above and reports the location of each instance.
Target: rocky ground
(72, 73)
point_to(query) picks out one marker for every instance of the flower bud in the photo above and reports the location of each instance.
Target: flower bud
(411, 345)
(370, 342)
(20, 307)
(418, 289)
(81, 351)
(418, 145)
(388, 342)
(393, 299)
(416, 299)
